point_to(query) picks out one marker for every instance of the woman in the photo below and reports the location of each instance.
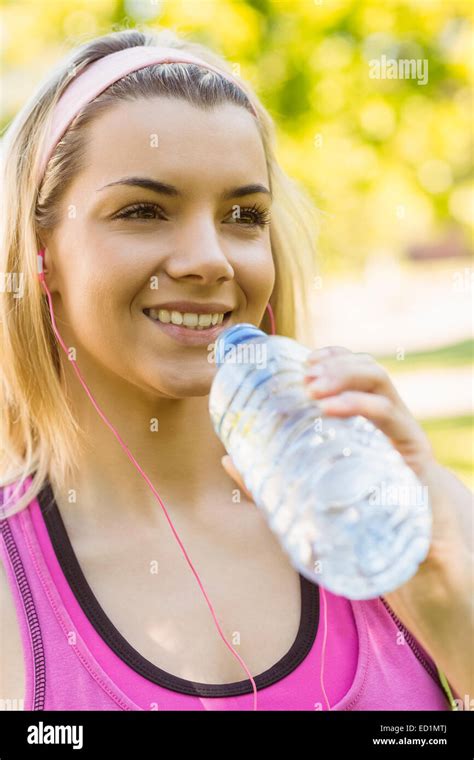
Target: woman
(163, 217)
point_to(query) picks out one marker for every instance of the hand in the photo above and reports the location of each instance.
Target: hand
(347, 384)
(357, 384)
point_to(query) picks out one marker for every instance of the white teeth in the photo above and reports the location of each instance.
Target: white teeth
(176, 318)
(191, 320)
(163, 315)
(205, 320)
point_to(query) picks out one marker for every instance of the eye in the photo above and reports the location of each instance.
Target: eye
(259, 217)
(144, 211)
(251, 216)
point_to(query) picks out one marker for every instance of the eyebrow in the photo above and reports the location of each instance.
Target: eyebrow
(170, 190)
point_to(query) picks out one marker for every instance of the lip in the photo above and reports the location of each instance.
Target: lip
(188, 337)
(193, 307)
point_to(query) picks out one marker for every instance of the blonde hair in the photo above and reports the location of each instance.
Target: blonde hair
(39, 433)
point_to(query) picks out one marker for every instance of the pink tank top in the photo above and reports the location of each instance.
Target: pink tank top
(75, 658)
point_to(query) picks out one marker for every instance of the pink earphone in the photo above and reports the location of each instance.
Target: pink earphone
(41, 277)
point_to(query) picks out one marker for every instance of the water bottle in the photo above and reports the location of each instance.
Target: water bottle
(344, 505)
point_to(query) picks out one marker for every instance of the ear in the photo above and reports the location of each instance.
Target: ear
(43, 244)
(48, 269)
(47, 261)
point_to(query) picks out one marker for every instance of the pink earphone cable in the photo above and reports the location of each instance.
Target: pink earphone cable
(323, 651)
(41, 277)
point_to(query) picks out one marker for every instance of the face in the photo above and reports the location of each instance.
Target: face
(186, 237)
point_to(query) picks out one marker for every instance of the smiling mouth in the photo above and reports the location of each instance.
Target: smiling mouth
(188, 321)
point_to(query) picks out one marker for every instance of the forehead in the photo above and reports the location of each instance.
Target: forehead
(174, 138)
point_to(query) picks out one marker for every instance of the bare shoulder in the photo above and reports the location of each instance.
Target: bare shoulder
(12, 676)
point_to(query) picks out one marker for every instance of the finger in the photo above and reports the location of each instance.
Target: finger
(332, 362)
(233, 473)
(359, 372)
(325, 352)
(404, 431)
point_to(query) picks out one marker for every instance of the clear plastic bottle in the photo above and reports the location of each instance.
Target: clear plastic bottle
(352, 516)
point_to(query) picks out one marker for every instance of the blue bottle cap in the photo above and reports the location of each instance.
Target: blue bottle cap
(241, 333)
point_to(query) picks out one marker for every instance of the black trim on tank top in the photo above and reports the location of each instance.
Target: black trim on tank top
(305, 638)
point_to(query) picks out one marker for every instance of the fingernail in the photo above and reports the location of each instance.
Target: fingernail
(321, 384)
(314, 372)
(325, 403)
(319, 353)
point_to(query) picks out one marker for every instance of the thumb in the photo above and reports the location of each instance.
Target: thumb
(233, 473)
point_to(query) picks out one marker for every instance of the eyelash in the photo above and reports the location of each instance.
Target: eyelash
(261, 215)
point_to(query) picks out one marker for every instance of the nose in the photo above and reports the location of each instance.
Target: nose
(198, 254)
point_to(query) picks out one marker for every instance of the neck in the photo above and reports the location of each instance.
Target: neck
(172, 440)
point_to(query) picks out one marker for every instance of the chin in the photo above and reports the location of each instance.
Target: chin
(186, 385)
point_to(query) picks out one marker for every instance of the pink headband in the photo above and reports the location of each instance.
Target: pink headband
(97, 76)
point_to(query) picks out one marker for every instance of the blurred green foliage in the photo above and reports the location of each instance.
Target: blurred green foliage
(455, 355)
(453, 444)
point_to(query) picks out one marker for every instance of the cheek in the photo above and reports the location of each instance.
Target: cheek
(111, 277)
(96, 306)
(256, 278)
